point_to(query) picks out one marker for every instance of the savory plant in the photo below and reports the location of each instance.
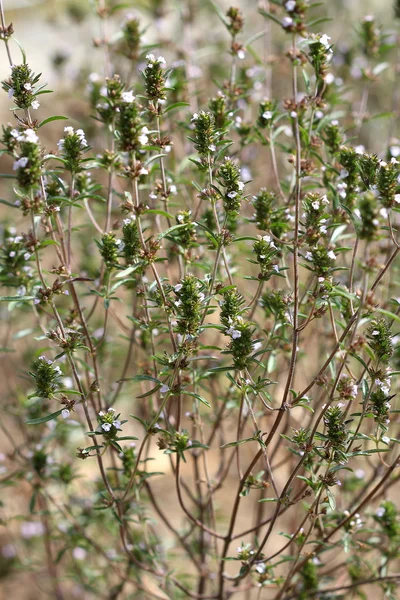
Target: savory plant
(200, 293)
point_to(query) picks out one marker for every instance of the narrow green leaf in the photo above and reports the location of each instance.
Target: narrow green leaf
(44, 419)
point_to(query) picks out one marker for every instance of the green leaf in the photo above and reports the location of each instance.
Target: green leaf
(44, 419)
(175, 105)
(331, 499)
(8, 203)
(197, 396)
(238, 443)
(55, 118)
(16, 298)
(170, 230)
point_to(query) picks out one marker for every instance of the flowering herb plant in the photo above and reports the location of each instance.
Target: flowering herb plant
(199, 291)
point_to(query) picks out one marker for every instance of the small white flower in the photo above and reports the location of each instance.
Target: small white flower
(359, 473)
(232, 194)
(150, 57)
(240, 185)
(10, 93)
(323, 229)
(180, 218)
(287, 22)
(20, 163)
(290, 5)
(324, 40)
(359, 149)
(332, 255)
(161, 60)
(376, 332)
(65, 413)
(324, 200)
(267, 115)
(27, 87)
(385, 439)
(143, 139)
(128, 97)
(195, 117)
(143, 171)
(164, 389)
(241, 55)
(35, 105)
(308, 256)
(178, 287)
(397, 198)
(380, 511)
(79, 553)
(106, 426)
(173, 190)
(117, 424)
(395, 151)
(212, 147)
(293, 114)
(234, 333)
(329, 78)
(315, 205)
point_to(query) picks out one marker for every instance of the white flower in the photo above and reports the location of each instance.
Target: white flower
(28, 136)
(143, 139)
(143, 171)
(111, 410)
(20, 163)
(128, 97)
(323, 229)
(234, 333)
(395, 151)
(380, 511)
(173, 190)
(324, 40)
(212, 147)
(178, 287)
(287, 22)
(180, 218)
(376, 332)
(32, 529)
(359, 473)
(117, 424)
(35, 105)
(65, 413)
(267, 115)
(106, 426)
(290, 5)
(332, 255)
(324, 200)
(240, 185)
(329, 78)
(293, 114)
(69, 130)
(308, 256)
(385, 439)
(79, 553)
(10, 93)
(397, 198)
(150, 57)
(241, 54)
(359, 149)
(93, 77)
(161, 60)
(315, 205)
(195, 117)
(164, 389)
(232, 194)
